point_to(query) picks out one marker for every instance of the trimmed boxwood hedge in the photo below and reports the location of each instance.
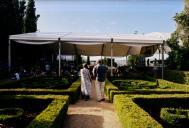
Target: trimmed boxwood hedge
(73, 91)
(52, 116)
(12, 113)
(145, 92)
(165, 87)
(37, 82)
(131, 115)
(108, 88)
(164, 84)
(175, 117)
(130, 84)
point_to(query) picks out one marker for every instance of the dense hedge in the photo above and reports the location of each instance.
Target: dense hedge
(53, 115)
(164, 84)
(130, 84)
(164, 87)
(73, 91)
(10, 113)
(37, 82)
(50, 117)
(181, 77)
(108, 88)
(131, 115)
(145, 92)
(175, 117)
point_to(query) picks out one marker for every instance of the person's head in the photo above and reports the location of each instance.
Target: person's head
(85, 65)
(99, 61)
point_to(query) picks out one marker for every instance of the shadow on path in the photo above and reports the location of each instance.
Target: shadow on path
(84, 121)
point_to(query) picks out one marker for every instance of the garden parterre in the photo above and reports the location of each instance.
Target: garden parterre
(133, 114)
(73, 91)
(51, 116)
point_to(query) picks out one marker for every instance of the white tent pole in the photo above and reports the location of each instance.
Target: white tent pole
(162, 47)
(59, 58)
(111, 56)
(9, 55)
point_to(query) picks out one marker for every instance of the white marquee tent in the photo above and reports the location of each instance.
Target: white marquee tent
(95, 44)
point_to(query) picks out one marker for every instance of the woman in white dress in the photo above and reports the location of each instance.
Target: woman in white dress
(85, 82)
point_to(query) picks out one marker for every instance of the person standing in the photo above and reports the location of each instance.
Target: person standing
(86, 82)
(148, 62)
(100, 72)
(47, 69)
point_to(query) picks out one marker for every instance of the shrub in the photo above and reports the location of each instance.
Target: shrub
(175, 117)
(130, 84)
(108, 88)
(164, 84)
(37, 82)
(10, 113)
(52, 116)
(73, 91)
(135, 111)
(131, 115)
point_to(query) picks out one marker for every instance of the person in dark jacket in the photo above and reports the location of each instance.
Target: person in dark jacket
(100, 73)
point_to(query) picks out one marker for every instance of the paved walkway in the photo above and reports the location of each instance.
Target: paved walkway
(91, 114)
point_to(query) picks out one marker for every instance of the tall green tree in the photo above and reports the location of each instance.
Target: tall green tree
(31, 17)
(179, 42)
(11, 22)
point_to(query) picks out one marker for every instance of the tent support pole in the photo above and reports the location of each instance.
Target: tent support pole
(9, 55)
(162, 49)
(111, 57)
(102, 51)
(59, 57)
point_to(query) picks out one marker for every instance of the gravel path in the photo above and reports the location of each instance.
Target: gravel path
(91, 114)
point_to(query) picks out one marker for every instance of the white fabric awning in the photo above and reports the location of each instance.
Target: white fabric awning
(97, 44)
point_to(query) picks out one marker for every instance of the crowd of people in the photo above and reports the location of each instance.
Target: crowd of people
(46, 69)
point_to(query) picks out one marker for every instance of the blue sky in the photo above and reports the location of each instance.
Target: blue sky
(107, 16)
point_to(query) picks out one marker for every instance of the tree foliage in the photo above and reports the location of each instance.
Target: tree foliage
(31, 18)
(12, 17)
(16, 18)
(179, 42)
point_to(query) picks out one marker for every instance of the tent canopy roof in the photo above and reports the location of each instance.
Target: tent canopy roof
(95, 44)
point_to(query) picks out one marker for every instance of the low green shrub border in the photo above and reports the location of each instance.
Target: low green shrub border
(73, 91)
(9, 113)
(164, 84)
(174, 116)
(53, 115)
(145, 92)
(164, 87)
(108, 88)
(134, 84)
(131, 115)
(37, 82)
